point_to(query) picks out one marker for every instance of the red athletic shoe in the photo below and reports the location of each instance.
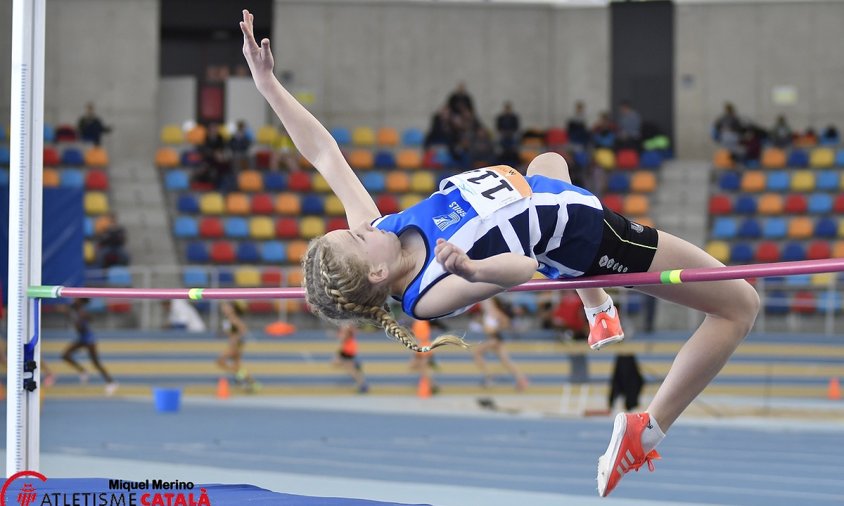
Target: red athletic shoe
(606, 330)
(624, 452)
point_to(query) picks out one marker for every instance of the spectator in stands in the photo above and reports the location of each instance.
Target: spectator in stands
(751, 143)
(577, 127)
(728, 121)
(730, 139)
(460, 100)
(781, 134)
(829, 135)
(629, 127)
(507, 125)
(91, 127)
(216, 168)
(181, 315)
(111, 244)
(603, 131)
(440, 133)
(481, 150)
(239, 145)
(81, 321)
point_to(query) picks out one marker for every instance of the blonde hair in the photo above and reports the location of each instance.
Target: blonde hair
(337, 288)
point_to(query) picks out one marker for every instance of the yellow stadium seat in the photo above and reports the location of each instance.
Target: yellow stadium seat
(224, 132)
(720, 250)
(96, 203)
(800, 228)
(166, 158)
(172, 134)
(604, 158)
(838, 247)
(840, 228)
(773, 158)
(51, 178)
(823, 279)
(411, 200)
(770, 203)
(802, 181)
(211, 203)
(722, 159)
(196, 135)
(96, 157)
(319, 184)
(636, 205)
(363, 136)
(333, 206)
(267, 135)
(312, 226)
(422, 182)
(88, 251)
(236, 203)
(296, 250)
(643, 182)
(247, 276)
(102, 223)
(288, 204)
(283, 142)
(250, 181)
(261, 227)
(397, 182)
(361, 159)
(388, 137)
(409, 159)
(822, 157)
(753, 181)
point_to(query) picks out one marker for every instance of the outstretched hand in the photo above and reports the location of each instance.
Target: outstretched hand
(455, 260)
(259, 58)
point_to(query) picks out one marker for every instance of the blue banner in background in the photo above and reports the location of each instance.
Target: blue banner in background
(63, 233)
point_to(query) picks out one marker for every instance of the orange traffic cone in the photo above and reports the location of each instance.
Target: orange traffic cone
(222, 388)
(423, 391)
(833, 392)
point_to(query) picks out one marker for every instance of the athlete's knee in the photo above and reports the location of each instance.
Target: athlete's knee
(743, 307)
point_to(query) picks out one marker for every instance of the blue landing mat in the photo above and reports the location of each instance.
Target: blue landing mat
(96, 492)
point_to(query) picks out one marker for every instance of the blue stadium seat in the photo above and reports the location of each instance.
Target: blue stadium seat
(582, 158)
(798, 280)
(5, 157)
(385, 160)
(793, 251)
(774, 228)
(342, 135)
(412, 137)
(778, 181)
(274, 181)
(750, 229)
(247, 252)
(829, 302)
(49, 134)
(188, 204)
(741, 253)
(729, 181)
(619, 182)
(190, 158)
(820, 203)
(826, 227)
(226, 277)
(72, 178)
(826, 180)
(195, 277)
(745, 204)
(839, 158)
(273, 252)
(185, 226)
(443, 158)
(4, 178)
(313, 204)
(176, 180)
(776, 302)
(72, 157)
(98, 306)
(119, 276)
(197, 252)
(797, 158)
(650, 160)
(89, 226)
(374, 182)
(724, 228)
(236, 227)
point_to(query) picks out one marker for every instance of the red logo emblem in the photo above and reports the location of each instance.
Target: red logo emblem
(28, 494)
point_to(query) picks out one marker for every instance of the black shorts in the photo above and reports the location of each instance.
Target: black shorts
(626, 246)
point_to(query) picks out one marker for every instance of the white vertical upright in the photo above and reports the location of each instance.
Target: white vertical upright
(25, 207)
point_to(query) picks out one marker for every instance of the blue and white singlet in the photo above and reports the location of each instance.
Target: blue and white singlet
(558, 224)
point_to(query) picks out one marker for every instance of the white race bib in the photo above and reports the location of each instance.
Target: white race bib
(490, 188)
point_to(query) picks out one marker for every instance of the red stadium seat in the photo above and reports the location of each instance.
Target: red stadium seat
(222, 252)
(263, 159)
(627, 159)
(271, 277)
(299, 181)
(818, 250)
(96, 180)
(51, 157)
(211, 228)
(613, 202)
(803, 302)
(720, 204)
(260, 306)
(387, 204)
(336, 223)
(262, 203)
(838, 204)
(796, 204)
(556, 137)
(287, 228)
(767, 251)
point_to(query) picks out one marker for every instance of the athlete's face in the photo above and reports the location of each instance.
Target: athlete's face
(373, 246)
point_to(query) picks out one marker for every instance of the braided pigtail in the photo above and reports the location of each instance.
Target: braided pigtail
(385, 319)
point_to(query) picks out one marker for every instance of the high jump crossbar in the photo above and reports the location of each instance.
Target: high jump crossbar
(670, 277)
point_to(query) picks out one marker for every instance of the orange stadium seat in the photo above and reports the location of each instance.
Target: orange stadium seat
(261, 227)
(636, 205)
(102, 223)
(838, 249)
(250, 181)
(96, 157)
(753, 181)
(166, 158)
(288, 204)
(196, 135)
(333, 206)
(361, 159)
(319, 184)
(770, 204)
(773, 158)
(172, 134)
(398, 182)
(387, 137)
(296, 251)
(51, 178)
(295, 277)
(237, 203)
(643, 182)
(211, 203)
(722, 159)
(644, 220)
(363, 136)
(409, 159)
(800, 228)
(312, 226)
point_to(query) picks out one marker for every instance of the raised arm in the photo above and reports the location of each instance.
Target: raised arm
(310, 137)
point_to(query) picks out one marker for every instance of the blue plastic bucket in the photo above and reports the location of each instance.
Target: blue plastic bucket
(167, 400)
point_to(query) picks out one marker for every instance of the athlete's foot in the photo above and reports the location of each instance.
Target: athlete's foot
(83, 378)
(624, 452)
(363, 389)
(522, 384)
(605, 330)
(111, 388)
(49, 380)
